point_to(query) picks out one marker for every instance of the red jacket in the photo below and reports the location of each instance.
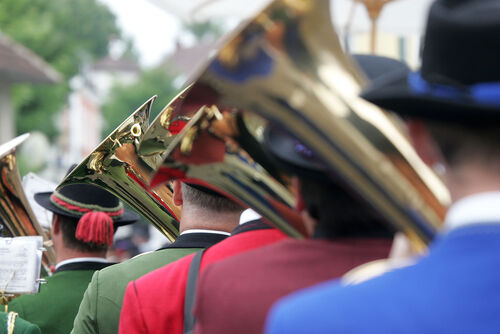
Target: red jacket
(234, 295)
(155, 302)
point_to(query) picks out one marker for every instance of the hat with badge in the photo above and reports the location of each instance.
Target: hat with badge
(459, 80)
(98, 211)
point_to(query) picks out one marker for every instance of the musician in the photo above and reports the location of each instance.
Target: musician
(155, 302)
(345, 236)
(453, 105)
(84, 221)
(12, 321)
(206, 218)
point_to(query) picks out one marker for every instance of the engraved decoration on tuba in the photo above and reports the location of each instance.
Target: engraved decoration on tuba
(15, 211)
(115, 166)
(287, 65)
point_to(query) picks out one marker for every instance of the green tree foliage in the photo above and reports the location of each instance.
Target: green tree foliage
(204, 30)
(63, 32)
(124, 99)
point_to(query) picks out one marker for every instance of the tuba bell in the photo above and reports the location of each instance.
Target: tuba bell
(15, 211)
(115, 166)
(287, 65)
(220, 150)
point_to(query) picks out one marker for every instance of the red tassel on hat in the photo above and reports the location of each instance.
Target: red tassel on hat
(95, 227)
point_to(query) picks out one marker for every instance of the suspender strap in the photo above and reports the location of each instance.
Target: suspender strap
(190, 295)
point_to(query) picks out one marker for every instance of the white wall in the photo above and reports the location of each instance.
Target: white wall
(7, 126)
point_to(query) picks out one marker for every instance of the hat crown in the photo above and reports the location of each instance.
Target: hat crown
(86, 195)
(462, 42)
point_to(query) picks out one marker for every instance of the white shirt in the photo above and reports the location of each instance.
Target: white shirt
(248, 215)
(474, 209)
(200, 230)
(82, 259)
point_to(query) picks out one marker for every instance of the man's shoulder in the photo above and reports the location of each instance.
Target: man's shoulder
(252, 259)
(20, 325)
(116, 277)
(247, 240)
(166, 274)
(147, 261)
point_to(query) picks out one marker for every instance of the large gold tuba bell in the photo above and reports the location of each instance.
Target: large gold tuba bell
(15, 211)
(115, 166)
(229, 159)
(287, 65)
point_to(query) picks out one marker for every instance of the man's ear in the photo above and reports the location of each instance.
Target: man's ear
(177, 193)
(424, 144)
(56, 225)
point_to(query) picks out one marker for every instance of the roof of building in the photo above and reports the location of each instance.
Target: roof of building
(18, 64)
(185, 59)
(121, 64)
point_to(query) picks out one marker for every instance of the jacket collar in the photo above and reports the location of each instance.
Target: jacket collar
(482, 208)
(196, 240)
(253, 225)
(82, 264)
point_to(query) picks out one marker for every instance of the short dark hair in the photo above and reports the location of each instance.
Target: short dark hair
(208, 201)
(339, 213)
(466, 142)
(68, 228)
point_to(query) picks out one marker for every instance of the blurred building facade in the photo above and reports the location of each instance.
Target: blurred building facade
(18, 65)
(82, 122)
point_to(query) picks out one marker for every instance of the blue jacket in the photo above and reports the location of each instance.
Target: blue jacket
(456, 289)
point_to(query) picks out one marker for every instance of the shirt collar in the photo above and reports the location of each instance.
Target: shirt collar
(81, 259)
(199, 230)
(248, 215)
(474, 209)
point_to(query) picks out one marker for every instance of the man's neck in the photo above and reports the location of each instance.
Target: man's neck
(67, 254)
(207, 220)
(471, 179)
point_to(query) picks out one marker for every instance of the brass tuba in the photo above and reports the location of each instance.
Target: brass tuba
(229, 159)
(115, 166)
(287, 65)
(15, 211)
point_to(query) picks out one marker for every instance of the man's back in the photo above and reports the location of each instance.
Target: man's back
(262, 276)
(454, 290)
(101, 305)
(55, 306)
(154, 303)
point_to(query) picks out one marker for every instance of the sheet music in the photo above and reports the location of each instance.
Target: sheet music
(20, 264)
(33, 184)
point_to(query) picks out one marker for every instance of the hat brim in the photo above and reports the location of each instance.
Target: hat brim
(394, 93)
(128, 217)
(282, 148)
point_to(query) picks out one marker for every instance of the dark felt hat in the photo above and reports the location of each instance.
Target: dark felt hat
(77, 199)
(291, 154)
(459, 80)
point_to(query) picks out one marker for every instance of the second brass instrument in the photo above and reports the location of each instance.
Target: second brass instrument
(15, 210)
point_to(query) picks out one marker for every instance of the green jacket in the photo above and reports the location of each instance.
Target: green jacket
(54, 308)
(20, 326)
(101, 305)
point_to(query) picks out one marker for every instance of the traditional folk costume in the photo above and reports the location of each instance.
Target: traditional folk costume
(155, 302)
(101, 305)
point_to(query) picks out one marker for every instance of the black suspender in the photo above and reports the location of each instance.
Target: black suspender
(190, 296)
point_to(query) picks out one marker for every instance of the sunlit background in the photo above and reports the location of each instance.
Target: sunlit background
(71, 71)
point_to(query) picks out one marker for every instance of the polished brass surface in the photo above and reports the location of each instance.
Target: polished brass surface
(115, 166)
(15, 210)
(212, 150)
(287, 65)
